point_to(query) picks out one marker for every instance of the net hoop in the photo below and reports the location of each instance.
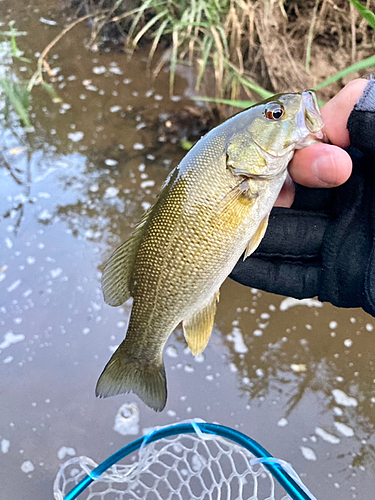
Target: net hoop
(279, 469)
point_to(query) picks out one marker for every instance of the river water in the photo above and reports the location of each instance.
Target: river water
(296, 376)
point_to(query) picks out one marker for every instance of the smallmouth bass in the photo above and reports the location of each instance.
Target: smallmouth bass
(213, 207)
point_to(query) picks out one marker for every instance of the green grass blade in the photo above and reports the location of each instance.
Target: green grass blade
(253, 86)
(236, 104)
(158, 35)
(52, 92)
(147, 26)
(140, 12)
(206, 53)
(19, 98)
(365, 12)
(365, 63)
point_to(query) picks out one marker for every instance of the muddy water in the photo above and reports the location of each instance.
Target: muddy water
(299, 378)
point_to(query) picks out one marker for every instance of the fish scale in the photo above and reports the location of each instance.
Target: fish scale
(213, 207)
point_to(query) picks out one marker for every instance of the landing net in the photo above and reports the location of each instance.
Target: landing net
(183, 462)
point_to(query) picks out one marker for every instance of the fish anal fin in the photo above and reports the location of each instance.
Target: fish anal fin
(198, 328)
(257, 238)
(122, 375)
(116, 278)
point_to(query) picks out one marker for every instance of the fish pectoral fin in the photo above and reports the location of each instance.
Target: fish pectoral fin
(257, 238)
(198, 328)
(116, 278)
(122, 375)
(243, 155)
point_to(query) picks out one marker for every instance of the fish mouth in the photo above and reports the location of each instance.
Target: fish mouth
(309, 121)
(311, 113)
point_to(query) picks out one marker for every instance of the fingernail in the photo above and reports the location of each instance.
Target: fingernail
(324, 168)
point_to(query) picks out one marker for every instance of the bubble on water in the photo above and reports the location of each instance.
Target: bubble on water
(292, 302)
(127, 419)
(258, 333)
(259, 372)
(343, 399)
(4, 445)
(236, 337)
(27, 466)
(114, 109)
(146, 184)
(9, 243)
(171, 351)
(65, 106)
(14, 285)
(348, 343)
(200, 358)
(85, 331)
(110, 162)
(344, 429)
(326, 436)
(65, 451)
(189, 369)
(7, 360)
(27, 293)
(308, 453)
(298, 368)
(111, 192)
(76, 136)
(138, 146)
(282, 422)
(55, 273)
(171, 413)
(332, 325)
(209, 378)
(115, 70)
(369, 327)
(50, 22)
(11, 338)
(99, 70)
(127, 81)
(145, 205)
(338, 411)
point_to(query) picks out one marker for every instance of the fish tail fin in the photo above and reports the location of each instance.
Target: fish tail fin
(123, 374)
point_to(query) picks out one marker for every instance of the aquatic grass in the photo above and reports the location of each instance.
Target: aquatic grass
(17, 96)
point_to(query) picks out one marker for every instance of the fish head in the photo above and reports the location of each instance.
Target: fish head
(280, 125)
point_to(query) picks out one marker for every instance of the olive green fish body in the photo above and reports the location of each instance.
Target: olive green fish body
(214, 205)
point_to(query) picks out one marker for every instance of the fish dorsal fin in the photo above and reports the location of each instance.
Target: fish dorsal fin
(243, 155)
(117, 273)
(198, 328)
(257, 238)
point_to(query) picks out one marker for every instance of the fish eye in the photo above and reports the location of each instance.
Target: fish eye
(274, 111)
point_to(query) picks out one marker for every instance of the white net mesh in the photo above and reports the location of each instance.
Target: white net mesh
(179, 467)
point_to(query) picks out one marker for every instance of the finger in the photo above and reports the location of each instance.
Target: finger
(321, 166)
(286, 195)
(336, 112)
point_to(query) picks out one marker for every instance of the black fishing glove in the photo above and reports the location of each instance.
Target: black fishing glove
(324, 244)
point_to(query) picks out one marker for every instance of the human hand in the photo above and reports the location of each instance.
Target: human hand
(324, 245)
(325, 165)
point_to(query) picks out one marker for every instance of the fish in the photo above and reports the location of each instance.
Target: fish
(212, 209)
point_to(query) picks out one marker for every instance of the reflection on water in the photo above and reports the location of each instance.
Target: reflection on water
(298, 379)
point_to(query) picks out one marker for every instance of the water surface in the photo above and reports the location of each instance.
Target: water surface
(299, 378)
